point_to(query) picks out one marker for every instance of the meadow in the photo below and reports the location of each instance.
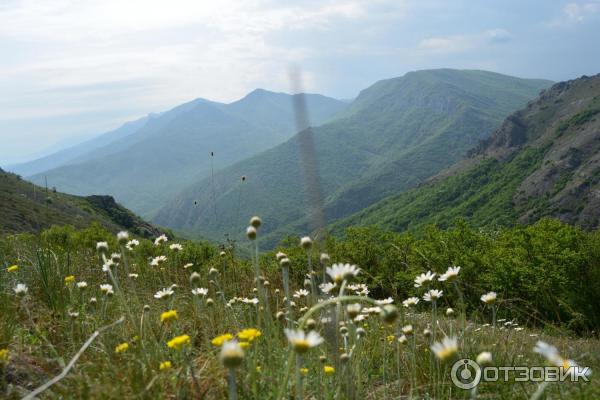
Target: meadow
(372, 315)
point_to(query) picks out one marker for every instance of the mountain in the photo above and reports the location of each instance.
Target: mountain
(543, 161)
(393, 136)
(25, 207)
(167, 152)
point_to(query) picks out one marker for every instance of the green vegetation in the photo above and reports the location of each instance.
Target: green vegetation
(29, 208)
(157, 342)
(396, 134)
(146, 166)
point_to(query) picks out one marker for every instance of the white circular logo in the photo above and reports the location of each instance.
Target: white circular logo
(466, 374)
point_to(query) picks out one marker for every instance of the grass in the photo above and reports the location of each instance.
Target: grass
(360, 358)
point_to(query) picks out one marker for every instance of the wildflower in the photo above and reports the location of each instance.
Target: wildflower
(328, 370)
(327, 287)
(200, 292)
(21, 289)
(426, 332)
(73, 314)
(222, 254)
(306, 243)
(115, 257)
(411, 301)
(3, 355)
(213, 272)
(484, 358)
(341, 272)
(449, 312)
(360, 289)
(324, 258)
(552, 355)
(450, 274)
(176, 247)
(168, 316)
(82, 285)
(424, 278)
(108, 265)
(304, 371)
(232, 354)
(160, 240)
(285, 262)
(69, 279)
(407, 330)
(353, 310)
(301, 341)
(165, 365)
(132, 244)
(251, 232)
(249, 334)
(178, 342)
(102, 247)
(402, 339)
(123, 347)
(383, 302)
(157, 261)
(446, 349)
(390, 338)
(253, 301)
(12, 268)
(301, 293)
(188, 265)
(389, 313)
(219, 340)
(164, 293)
(133, 275)
(255, 222)
(107, 289)
(433, 295)
(122, 237)
(489, 298)
(93, 301)
(280, 255)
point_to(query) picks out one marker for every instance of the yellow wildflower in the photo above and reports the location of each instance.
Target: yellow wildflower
(304, 371)
(248, 335)
(12, 268)
(165, 365)
(69, 279)
(244, 345)
(123, 347)
(3, 355)
(178, 342)
(390, 338)
(329, 370)
(219, 340)
(167, 316)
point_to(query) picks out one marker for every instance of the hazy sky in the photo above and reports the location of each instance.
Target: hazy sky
(70, 69)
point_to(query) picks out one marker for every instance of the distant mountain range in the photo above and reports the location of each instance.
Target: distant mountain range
(393, 136)
(25, 207)
(145, 162)
(543, 161)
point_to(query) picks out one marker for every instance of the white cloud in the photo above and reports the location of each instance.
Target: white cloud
(463, 42)
(576, 13)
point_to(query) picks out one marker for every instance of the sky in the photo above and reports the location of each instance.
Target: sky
(72, 69)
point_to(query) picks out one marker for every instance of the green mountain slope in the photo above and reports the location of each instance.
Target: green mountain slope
(543, 161)
(25, 207)
(396, 134)
(144, 168)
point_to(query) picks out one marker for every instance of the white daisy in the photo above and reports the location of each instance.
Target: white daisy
(383, 302)
(102, 247)
(133, 275)
(106, 288)
(160, 240)
(327, 287)
(164, 293)
(156, 261)
(360, 289)
(200, 292)
(301, 293)
(176, 247)
(132, 244)
(489, 298)
(301, 341)
(450, 274)
(188, 265)
(82, 285)
(433, 295)
(446, 349)
(424, 278)
(411, 301)
(341, 272)
(21, 289)
(122, 237)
